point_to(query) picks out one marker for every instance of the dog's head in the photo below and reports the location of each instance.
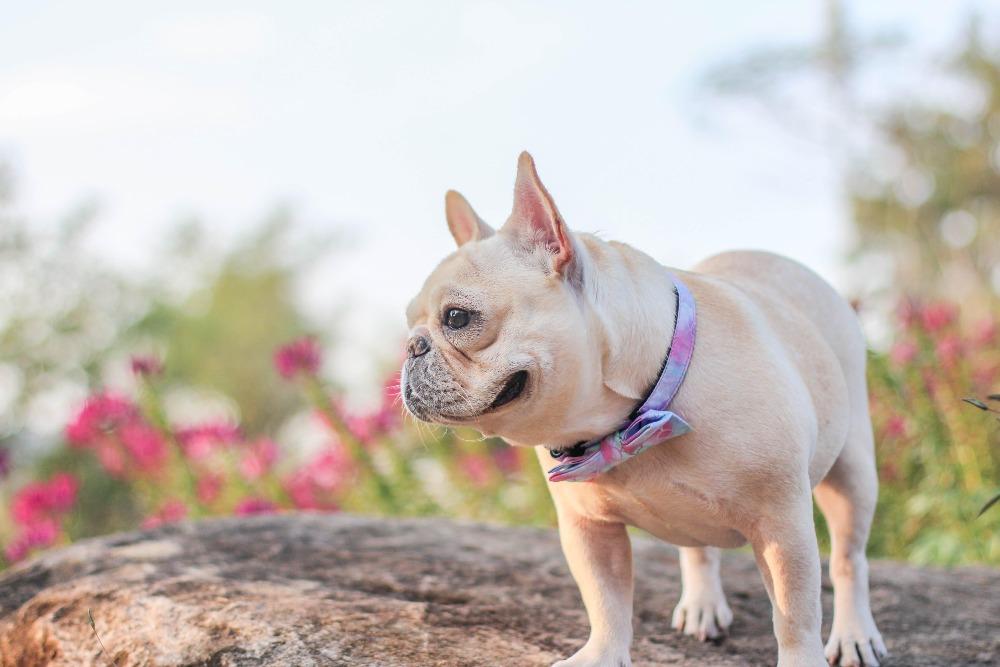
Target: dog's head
(500, 336)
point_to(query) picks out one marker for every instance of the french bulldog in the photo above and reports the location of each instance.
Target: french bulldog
(549, 337)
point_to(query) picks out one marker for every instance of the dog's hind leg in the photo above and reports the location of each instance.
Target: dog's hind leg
(847, 497)
(702, 610)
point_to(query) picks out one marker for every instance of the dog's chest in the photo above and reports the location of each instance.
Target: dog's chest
(675, 513)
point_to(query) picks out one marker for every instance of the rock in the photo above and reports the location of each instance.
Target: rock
(307, 589)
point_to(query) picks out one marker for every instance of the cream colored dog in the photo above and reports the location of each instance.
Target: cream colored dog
(548, 337)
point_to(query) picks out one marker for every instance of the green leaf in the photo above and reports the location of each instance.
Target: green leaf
(976, 403)
(990, 503)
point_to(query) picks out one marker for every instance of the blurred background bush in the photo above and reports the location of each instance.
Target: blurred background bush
(156, 371)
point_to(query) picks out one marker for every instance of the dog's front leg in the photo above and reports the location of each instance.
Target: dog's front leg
(600, 558)
(784, 542)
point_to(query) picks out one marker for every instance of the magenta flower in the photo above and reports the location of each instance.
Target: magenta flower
(937, 316)
(38, 535)
(507, 459)
(302, 356)
(100, 415)
(146, 366)
(111, 456)
(114, 428)
(903, 352)
(314, 485)
(208, 488)
(171, 511)
(259, 458)
(366, 428)
(948, 350)
(200, 440)
(40, 501)
(985, 332)
(249, 506)
(145, 445)
(895, 427)
(362, 427)
(476, 468)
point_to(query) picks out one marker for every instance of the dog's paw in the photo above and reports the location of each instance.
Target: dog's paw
(591, 657)
(801, 656)
(855, 643)
(706, 616)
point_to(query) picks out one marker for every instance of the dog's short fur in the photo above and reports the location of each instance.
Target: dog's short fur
(776, 395)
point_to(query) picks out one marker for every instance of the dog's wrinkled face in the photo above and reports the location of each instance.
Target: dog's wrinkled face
(498, 333)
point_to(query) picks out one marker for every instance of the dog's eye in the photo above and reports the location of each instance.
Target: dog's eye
(456, 318)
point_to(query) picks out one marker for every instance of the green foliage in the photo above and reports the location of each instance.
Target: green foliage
(921, 176)
(219, 337)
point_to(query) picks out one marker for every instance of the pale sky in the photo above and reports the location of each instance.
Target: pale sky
(362, 114)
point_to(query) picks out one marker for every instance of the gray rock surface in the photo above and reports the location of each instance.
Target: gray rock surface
(306, 589)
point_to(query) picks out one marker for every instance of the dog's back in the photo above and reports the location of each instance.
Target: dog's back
(778, 285)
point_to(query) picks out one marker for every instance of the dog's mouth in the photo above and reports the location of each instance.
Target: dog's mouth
(512, 388)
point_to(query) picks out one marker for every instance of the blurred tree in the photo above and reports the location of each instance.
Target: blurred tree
(920, 172)
(222, 335)
(216, 315)
(917, 146)
(938, 215)
(61, 310)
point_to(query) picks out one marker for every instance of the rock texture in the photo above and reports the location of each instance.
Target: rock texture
(302, 589)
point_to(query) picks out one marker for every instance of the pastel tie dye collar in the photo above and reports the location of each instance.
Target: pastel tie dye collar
(652, 422)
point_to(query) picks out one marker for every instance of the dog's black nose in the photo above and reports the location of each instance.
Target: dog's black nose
(418, 346)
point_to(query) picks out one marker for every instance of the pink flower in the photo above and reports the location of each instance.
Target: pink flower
(62, 491)
(299, 356)
(903, 352)
(477, 468)
(146, 366)
(507, 459)
(985, 332)
(249, 506)
(38, 535)
(938, 315)
(260, 456)
(362, 427)
(949, 349)
(202, 439)
(100, 415)
(111, 457)
(366, 428)
(145, 445)
(330, 469)
(313, 485)
(208, 488)
(171, 511)
(300, 489)
(36, 502)
(895, 427)
(30, 504)
(115, 429)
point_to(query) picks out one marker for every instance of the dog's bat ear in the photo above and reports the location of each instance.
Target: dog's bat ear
(463, 222)
(535, 217)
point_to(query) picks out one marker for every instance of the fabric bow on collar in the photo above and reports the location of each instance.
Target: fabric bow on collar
(652, 422)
